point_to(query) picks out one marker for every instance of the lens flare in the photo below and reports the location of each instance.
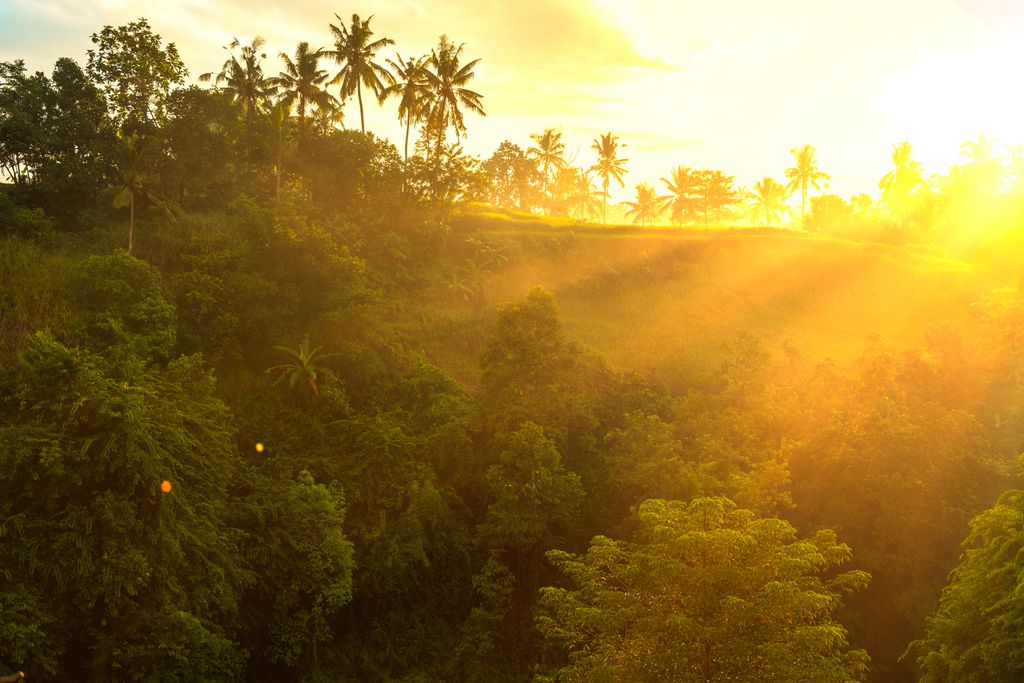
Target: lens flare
(259, 447)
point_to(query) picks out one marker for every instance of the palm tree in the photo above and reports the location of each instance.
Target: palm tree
(646, 205)
(302, 366)
(282, 127)
(769, 200)
(244, 79)
(133, 168)
(902, 182)
(301, 82)
(684, 186)
(355, 51)
(608, 166)
(984, 166)
(549, 153)
(407, 81)
(326, 118)
(905, 176)
(806, 172)
(585, 200)
(447, 79)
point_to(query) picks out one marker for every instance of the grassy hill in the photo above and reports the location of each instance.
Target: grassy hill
(667, 300)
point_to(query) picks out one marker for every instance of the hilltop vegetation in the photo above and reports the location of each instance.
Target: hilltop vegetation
(279, 402)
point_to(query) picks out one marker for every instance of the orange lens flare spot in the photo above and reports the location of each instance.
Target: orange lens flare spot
(259, 447)
(165, 486)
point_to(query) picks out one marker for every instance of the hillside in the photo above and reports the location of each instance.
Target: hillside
(667, 300)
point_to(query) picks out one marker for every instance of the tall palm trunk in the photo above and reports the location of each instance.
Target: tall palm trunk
(604, 203)
(131, 222)
(803, 201)
(359, 94)
(408, 126)
(277, 188)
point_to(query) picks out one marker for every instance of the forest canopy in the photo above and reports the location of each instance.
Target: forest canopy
(283, 400)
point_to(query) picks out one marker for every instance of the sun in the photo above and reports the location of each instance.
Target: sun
(947, 99)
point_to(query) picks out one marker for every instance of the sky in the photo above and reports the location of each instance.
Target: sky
(729, 84)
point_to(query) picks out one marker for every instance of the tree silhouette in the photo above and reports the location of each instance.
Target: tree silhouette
(768, 200)
(408, 82)
(282, 127)
(327, 118)
(586, 199)
(447, 79)
(684, 200)
(715, 194)
(549, 153)
(646, 205)
(301, 82)
(902, 182)
(608, 166)
(804, 173)
(244, 79)
(354, 51)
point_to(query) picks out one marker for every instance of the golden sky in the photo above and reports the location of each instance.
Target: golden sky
(729, 84)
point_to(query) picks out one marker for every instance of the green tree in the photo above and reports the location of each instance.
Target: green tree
(804, 173)
(534, 505)
(119, 569)
(768, 201)
(23, 135)
(135, 71)
(608, 166)
(354, 51)
(646, 207)
(121, 309)
(684, 198)
(585, 200)
(511, 177)
(408, 82)
(716, 194)
(549, 153)
(447, 78)
(303, 367)
(304, 564)
(903, 183)
(706, 592)
(301, 83)
(975, 635)
(199, 138)
(135, 168)
(244, 80)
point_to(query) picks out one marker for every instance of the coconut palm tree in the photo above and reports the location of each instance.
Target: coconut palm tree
(282, 126)
(768, 200)
(549, 153)
(447, 79)
(646, 205)
(984, 166)
(586, 198)
(327, 118)
(354, 51)
(303, 366)
(903, 182)
(806, 172)
(244, 78)
(608, 166)
(684, 187)
(408, 82)
(905, 177)
(135, 156)
(302, 81)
